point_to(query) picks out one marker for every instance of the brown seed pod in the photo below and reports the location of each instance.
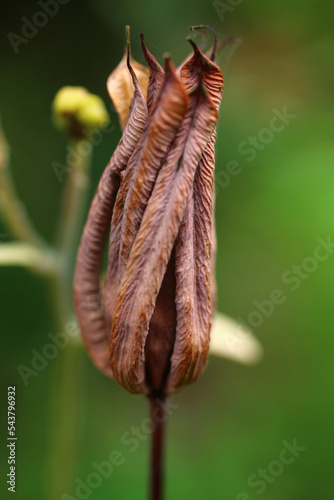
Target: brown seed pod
(157, 195)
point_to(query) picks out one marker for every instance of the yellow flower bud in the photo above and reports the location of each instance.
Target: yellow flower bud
(75, 111)
(92, 113)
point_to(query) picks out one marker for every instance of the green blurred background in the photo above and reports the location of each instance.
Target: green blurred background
(269, 216)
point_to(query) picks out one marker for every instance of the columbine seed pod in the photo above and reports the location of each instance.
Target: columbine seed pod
(150, 328)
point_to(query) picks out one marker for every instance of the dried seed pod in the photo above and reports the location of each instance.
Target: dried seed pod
(157, 305)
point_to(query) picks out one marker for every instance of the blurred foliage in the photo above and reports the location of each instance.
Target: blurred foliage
(269, 216)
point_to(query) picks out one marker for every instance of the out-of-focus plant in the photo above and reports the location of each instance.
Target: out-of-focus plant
(78, 114)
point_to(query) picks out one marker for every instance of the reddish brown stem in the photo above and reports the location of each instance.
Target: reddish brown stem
(159, 416)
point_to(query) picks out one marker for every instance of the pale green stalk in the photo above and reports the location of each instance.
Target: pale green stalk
(12, 210)
(67, 376)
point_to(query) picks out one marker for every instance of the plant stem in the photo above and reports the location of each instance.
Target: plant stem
(43, 261)
(66, 408)
(57, 264)
(68, 372)
(69, 225)
(74, 200)
(159, 418)
(13, 211)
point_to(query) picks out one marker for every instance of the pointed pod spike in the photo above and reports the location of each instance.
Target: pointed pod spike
(197, 51)
(197, 55)
(132, 73)
(205, 26)
(156, 74)
(128, 46)
(128, 58)
(193, 44)
(121, 85)
(127, 34)
(142, 41)
(150, 59)
(198, 69)
(169, 66)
